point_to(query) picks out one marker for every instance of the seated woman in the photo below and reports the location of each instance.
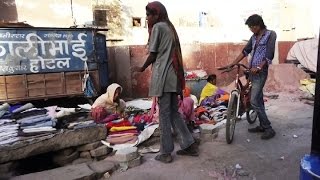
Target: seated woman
(210, 88)
(186, 108)
(210, 93)
(108, 103)
(187, 93)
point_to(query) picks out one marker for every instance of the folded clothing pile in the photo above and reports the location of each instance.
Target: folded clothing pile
(37, 124)
(82, 124)
(8, 131)
(33, 121)
(210, 115)
(121, 132)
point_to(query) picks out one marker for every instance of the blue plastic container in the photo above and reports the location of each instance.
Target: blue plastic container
(310, 167)
(196, 86)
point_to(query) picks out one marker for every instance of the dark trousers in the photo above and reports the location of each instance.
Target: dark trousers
(257, 102)
(170, 117)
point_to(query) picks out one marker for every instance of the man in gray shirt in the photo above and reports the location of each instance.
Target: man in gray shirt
(167, 81)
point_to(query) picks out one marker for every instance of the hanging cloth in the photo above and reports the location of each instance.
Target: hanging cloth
(87, 83)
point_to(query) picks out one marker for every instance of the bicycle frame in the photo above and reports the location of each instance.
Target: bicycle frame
(240, 91)
(239, 101)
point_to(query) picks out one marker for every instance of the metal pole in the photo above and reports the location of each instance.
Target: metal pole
(315, 143)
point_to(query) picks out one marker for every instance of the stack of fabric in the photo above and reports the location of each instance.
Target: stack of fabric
(210, 115)
(82, 124)
(121, 132)
(34, 121)
(195, 74)
(8, 131)
(37, 124)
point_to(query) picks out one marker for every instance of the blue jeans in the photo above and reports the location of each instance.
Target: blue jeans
(170, 117)
(257, 103)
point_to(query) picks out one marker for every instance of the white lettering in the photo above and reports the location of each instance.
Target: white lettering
(62, 47)
(34, 65)
(3, 51)
(63, 62)
(78, 47)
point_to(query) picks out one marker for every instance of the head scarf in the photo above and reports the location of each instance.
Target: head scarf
(111, 91)
(161, 11)
(186, 92)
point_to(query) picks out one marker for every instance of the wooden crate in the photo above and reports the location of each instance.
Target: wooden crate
(3, 90)
(73, 82)
(54, 83)
(36, 85)
(15, 86)
(39, 86)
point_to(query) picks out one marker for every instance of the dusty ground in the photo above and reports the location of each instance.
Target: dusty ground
(260, 158)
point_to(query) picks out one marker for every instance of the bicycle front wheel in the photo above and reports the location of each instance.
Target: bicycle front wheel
(231, 117)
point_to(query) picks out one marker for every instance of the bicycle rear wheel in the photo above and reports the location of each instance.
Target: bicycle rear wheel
(231, 117)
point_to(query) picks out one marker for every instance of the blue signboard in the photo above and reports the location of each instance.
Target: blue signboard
(28, 51)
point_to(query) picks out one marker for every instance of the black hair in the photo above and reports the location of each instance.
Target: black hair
(211, 77)
(151, 11)
(255, 20)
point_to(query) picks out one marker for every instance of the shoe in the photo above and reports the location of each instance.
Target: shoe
(165, 158)
(268, 134)
(197, 141)
(192, 150)
(257, 129)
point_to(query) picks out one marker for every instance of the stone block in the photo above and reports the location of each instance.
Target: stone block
(88, 147)
(151, 141)
(126, 154)
(7, 167)
(100, 151)
(101, 167)
(79, 172)
(99, 158)
(66, 152)
(53, 142)
(132, 163)
(208, 128)
(6, 175)
(106, 175)
(209, 137)
(85, 154)
(64, 160)
(82, 160)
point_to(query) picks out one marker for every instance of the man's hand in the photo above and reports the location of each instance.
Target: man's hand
(254, 70)
(137, 69)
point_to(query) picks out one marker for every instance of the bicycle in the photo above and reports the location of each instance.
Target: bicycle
(239, 101)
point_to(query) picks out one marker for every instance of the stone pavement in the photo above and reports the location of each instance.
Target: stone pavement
(277, 158)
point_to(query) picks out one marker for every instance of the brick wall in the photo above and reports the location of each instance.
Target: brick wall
(195, 56)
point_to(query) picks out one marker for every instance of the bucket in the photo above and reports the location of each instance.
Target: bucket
(196, 86)
(310, 167)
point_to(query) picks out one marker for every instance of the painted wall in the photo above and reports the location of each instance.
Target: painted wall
(200, 56)
(47, 13)
(216, 43)
(224, 20)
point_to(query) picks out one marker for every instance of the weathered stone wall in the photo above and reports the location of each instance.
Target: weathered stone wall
(205, 56)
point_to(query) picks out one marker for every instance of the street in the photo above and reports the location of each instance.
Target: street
(277, 158)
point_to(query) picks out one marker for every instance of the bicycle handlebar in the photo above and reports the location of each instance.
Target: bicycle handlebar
(230, 68)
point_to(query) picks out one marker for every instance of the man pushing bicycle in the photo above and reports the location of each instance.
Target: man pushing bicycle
(261, 46)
